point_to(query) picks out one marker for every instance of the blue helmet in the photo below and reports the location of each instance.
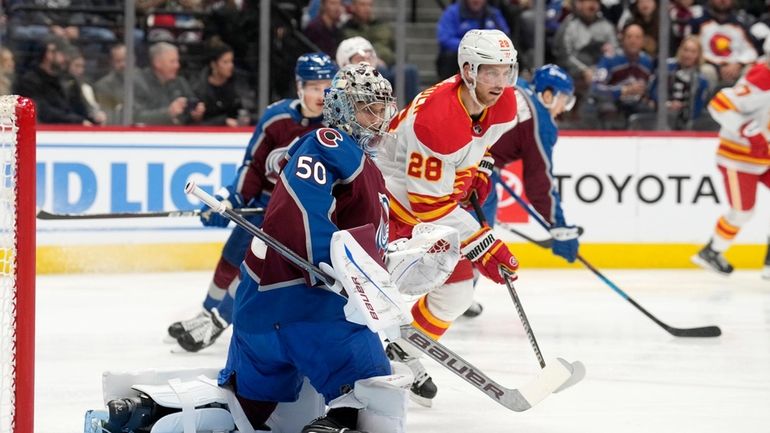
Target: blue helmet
(554, 78)
(314, 66)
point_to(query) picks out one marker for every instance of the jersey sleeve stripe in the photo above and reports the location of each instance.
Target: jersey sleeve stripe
(401, 213)
(720, 102)
(434, 213)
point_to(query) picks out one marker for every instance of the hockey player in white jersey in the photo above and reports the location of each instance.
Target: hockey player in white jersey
(743, 158)
(440, 157)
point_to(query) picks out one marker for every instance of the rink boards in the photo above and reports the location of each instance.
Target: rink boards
(644, 201)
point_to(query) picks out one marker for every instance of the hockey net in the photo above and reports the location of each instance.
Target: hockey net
(17, 263)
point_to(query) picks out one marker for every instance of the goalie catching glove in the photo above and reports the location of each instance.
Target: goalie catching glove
(230, 198)
(490, 255)
(565, 241)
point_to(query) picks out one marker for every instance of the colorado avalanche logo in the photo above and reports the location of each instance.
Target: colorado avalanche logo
(382, 230)
(328, 137)
(720, 45)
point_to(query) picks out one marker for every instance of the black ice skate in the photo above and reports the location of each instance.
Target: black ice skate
(327, 425)
(423, 390)
(204, 335)
(709, 259)
(474, 310)
(177, 329)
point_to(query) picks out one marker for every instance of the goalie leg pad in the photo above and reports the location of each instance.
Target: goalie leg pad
(381, 400)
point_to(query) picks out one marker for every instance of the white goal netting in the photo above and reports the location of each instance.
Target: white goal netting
(8, 283)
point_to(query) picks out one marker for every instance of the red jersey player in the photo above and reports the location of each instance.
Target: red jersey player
(439, 158)
(743, 158)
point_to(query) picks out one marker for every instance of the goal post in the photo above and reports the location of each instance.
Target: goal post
(17, 264)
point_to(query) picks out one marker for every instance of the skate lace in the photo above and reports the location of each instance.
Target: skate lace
(421, 377)
(718, 258)
(205, 331)
(196, 322)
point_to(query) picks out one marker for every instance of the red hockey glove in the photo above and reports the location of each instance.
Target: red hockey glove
(481, 183)
(751, 131)
(490, 255)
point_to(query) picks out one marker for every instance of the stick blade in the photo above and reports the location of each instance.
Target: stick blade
(578, 374)
(556, 374)
(702, 332)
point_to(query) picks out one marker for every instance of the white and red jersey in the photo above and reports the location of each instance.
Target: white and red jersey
(429, 167)
(733, 107)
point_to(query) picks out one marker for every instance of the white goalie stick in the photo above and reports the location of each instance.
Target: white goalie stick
(45, 215)
(557, 375)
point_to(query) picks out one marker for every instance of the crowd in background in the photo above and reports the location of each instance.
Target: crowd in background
(198, 63)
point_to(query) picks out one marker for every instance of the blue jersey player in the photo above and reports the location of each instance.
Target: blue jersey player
(286, 327)
(282, 122)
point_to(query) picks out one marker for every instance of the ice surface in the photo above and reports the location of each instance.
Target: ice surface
(639, 378)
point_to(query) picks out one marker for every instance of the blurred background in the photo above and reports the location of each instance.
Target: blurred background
(220, 62)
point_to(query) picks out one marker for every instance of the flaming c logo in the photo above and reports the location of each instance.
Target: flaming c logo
(720, 45)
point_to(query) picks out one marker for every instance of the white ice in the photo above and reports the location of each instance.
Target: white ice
(639, 378)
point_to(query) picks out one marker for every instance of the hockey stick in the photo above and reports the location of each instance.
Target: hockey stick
(578, 369)
(508, 283)
(43, 215)
(704, 331)
(552, 378)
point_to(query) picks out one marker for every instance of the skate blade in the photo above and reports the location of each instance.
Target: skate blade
(765, 273)
(705, 265)
(422, 401)
(167, 339)
(578, 374)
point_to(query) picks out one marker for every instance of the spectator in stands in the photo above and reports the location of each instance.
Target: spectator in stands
(56, 20)
(324, 30)
(621, 80)
(682, 12)
(75, 83)
(761, 29)
(645, 14)
(162, 97)
(216, 88)
(582, 39)
(7, 68)
(457, 19)
(43, 84)
(687, 88)
(173, 27)
(109, 89)
(726, 41)
(379, 35)
(521, 19)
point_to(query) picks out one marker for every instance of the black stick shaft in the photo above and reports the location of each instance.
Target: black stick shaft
(704, 331)
(44, 215)
(508, 283)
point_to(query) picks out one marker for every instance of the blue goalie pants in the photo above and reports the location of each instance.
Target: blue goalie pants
(333, 355)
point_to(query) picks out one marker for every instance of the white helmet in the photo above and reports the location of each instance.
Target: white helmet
(352, 46)
(486, 47)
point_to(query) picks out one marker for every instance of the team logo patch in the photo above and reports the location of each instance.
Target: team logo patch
(328, 137)
(477, 129)
(720, 45)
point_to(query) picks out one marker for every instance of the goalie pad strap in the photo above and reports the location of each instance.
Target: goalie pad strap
(188, 405)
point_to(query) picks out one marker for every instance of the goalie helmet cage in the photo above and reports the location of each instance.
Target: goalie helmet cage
(17, 264)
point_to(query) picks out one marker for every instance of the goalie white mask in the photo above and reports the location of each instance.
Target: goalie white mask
(360, 102)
